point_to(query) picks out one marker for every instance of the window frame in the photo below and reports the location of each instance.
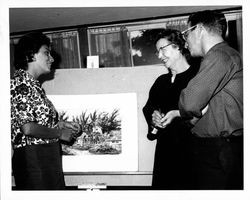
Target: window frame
(131, 26)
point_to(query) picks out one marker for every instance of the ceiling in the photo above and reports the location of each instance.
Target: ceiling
(26, 19)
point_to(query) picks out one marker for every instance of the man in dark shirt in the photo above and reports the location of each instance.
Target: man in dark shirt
(218, 134)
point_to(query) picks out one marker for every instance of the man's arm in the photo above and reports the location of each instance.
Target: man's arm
(168, 118)
(213, 75)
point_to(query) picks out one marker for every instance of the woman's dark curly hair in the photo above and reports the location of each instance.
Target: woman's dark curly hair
(27, 46)
(175, 37)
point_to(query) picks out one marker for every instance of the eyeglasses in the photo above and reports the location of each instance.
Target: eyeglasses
(157, 52)
(187, 31)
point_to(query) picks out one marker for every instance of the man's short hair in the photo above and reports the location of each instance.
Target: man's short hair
(212, 20)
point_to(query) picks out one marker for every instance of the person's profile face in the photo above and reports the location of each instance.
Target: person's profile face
(43, 59)
(190, 35)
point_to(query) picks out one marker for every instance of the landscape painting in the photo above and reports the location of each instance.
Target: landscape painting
(109, 132)
(101, 133)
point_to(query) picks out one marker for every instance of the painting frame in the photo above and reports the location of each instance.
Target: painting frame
(127, 160)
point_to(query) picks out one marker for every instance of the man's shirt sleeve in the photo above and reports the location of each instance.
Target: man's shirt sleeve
(214, 73)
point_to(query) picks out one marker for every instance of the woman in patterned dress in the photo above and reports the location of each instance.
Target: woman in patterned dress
(35, 129)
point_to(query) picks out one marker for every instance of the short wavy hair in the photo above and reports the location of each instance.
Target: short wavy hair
(27, 46)
(175, 37)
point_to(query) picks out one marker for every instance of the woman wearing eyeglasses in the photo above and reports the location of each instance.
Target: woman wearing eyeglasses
(171, 163)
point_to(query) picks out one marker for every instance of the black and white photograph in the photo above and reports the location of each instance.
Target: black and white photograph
(124, 100)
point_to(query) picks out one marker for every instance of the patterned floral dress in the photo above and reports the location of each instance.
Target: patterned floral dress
(36, 162)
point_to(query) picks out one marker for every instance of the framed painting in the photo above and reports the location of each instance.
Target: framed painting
(109, 139)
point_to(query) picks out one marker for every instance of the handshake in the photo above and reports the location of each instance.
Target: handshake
(69, 130)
